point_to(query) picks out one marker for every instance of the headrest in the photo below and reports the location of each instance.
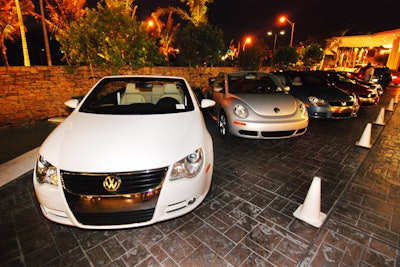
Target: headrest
(296, 81)
(170, 88)
(131, 89)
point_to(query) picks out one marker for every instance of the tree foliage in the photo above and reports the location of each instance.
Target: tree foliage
(199, 45)
(285, 56)
(313, 54)
(250, 58)
(165, 33)
(197, 11)
(62, 13)
(109, 37)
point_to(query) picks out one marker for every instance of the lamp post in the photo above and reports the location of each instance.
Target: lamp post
(291, 23)
(275, 38)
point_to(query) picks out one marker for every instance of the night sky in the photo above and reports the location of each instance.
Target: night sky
(314, 19)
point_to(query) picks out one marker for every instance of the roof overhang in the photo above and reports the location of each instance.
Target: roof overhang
(384, 39)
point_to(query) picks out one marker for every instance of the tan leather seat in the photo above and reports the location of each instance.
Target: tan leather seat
(170, 90)
(132, 95)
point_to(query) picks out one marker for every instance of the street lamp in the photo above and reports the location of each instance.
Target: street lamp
(275, 37)
(291, 23)
(246, 41)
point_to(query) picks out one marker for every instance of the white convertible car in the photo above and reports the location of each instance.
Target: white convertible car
(135, 151)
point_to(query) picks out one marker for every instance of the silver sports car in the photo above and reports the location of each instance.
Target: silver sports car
(255, 105)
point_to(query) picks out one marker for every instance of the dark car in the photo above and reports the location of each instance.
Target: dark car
(366, 95)
(322, 99)
(382, 75)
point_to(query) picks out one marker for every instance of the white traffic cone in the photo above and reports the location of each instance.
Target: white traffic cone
(310, 210)
(390, 107)
(396, 98)
(365, 140)
(380, 119)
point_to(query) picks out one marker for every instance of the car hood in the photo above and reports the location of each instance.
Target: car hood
(279, 104)
(328, 93)
(353, 88)
(117, 143)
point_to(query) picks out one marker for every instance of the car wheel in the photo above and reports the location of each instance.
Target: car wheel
(223, 124)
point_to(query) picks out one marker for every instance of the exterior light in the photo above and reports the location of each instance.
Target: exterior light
(275, 38)
(246, 41)
(291, 23)
(150, 24)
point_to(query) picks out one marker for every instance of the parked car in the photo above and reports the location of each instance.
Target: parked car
(395, 78)
(255, 105)
(366, 95)
(321, 99)
(372, 85)
(133, 152)
(382, 75)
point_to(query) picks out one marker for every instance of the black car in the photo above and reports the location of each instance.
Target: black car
(382, 75)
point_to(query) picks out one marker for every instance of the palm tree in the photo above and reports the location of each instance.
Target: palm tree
(46, 39)
(165, 33)
(8, 25)
(197, 11)
(11, 19)
(25, 51)
(61, 14)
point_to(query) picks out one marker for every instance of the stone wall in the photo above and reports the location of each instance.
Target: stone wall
(31, 94)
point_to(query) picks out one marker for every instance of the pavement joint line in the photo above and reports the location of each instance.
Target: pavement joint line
(18, 166)
(323, 229)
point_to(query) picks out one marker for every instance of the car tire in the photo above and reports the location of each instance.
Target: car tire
(223, 125)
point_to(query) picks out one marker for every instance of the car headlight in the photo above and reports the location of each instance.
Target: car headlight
(240, 111)
(302, 108)
(316, 101)
(45, 172)
(188, 167)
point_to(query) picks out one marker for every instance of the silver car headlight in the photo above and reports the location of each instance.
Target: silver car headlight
(240, 111)
(45, 172)
(316, 101)
(188, 167)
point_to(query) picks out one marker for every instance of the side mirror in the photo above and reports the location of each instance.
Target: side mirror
(72, 103)
(206, 103)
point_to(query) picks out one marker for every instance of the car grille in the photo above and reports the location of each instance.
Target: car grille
(368, 96)
(341, 103)
(341, 115)
(92, 183)
(277, 134)
(133, 202)
(115, 217)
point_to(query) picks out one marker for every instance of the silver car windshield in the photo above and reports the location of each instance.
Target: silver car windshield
(139, 95)
(253, 83)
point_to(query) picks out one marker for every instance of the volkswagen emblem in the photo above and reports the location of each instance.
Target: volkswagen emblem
(112, 183)
(277, 110)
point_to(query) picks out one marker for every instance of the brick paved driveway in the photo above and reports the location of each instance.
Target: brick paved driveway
(247, 219)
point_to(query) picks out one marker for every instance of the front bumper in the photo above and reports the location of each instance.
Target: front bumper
(333, 112)
(169, 200)
(268, 130)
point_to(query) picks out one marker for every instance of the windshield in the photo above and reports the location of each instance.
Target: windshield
(253, 83)
(138, 95)
(307, 80)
